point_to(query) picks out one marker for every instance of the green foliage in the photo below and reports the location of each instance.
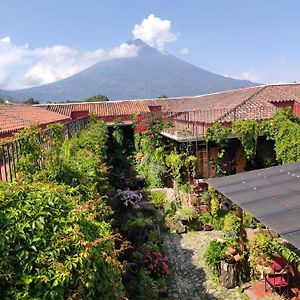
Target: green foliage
(31, 150)
(56, 133)
(205, 197)
(260, 250)
(284, 129)
(248, 132)
(138, 221)
(80, 162)
(150, 152)
(56, 241)
(186, 213)
(291, 256)
(191, 165)
(175, 162)
(217, 251)
(232, 224)
(96, 98)
(31, 101)
(54, 246)
(206, 218)
(158, 198)
(171, 208)
(214, 254)
(214, 201)
(118, 134)
(217, 134)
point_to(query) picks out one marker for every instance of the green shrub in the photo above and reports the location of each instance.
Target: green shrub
(186, 214)
(80, 162)
(206, 218)
(158, 198)
(232, 224)
(260, 250)
(54, 246)
(214, 254)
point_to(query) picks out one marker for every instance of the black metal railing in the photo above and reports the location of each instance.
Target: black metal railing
(195, 123)
(11, 152)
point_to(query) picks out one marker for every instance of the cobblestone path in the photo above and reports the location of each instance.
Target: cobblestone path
(190, 277)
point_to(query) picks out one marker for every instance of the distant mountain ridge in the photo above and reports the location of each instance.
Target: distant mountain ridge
(149, 75)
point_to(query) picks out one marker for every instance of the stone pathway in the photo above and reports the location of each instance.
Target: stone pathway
(190, 277)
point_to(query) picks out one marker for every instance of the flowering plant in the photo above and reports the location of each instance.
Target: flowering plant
(141, 128)
(128, 197)
(156, 263)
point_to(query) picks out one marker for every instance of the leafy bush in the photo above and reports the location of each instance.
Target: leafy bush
(158, 198)
(171, 208)
(260, 251)
(30, 161)
(186, 214)
(54, 246)
(79, 162)
(214, 254)
(232, 224)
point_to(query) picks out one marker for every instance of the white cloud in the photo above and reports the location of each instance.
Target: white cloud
(22, 66)
(247, 75)
(281, 60)
(155, 32)
(6, 40)
(184, 51)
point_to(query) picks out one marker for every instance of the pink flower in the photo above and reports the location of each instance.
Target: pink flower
(141, 128)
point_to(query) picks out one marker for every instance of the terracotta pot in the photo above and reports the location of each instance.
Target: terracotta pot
(231, 250)
(237, 257)
(208, 227)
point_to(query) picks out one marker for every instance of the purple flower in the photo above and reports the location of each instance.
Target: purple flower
(128, 197)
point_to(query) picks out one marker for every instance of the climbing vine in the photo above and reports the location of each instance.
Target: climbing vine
(248, 132)
(284, 129)
(219, 136)
(175, 162)
(30, 160)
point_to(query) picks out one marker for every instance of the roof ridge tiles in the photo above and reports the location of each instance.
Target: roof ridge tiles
(242, 103)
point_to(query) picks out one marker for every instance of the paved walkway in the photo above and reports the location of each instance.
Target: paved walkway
(190, 277)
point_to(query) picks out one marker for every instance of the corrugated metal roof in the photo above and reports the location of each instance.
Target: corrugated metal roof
(271, 195)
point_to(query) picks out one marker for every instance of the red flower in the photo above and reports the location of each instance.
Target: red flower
(141, 128)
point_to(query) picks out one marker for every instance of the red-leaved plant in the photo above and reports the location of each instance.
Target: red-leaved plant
(156, 263)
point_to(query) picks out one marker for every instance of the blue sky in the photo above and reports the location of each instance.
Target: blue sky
(41, 41)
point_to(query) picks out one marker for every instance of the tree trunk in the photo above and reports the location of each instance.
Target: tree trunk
(229, 276)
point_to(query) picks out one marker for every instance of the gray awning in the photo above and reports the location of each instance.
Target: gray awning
(271, 195)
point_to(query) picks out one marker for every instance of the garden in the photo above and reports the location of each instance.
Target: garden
(87, 216)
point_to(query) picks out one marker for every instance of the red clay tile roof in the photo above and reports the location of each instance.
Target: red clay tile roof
(14, 117)
(100, 109)
(255, 102)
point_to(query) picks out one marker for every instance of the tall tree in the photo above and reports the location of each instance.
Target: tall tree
(31, 101)
(96, 98)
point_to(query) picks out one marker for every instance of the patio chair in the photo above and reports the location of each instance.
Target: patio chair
(278, 278)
